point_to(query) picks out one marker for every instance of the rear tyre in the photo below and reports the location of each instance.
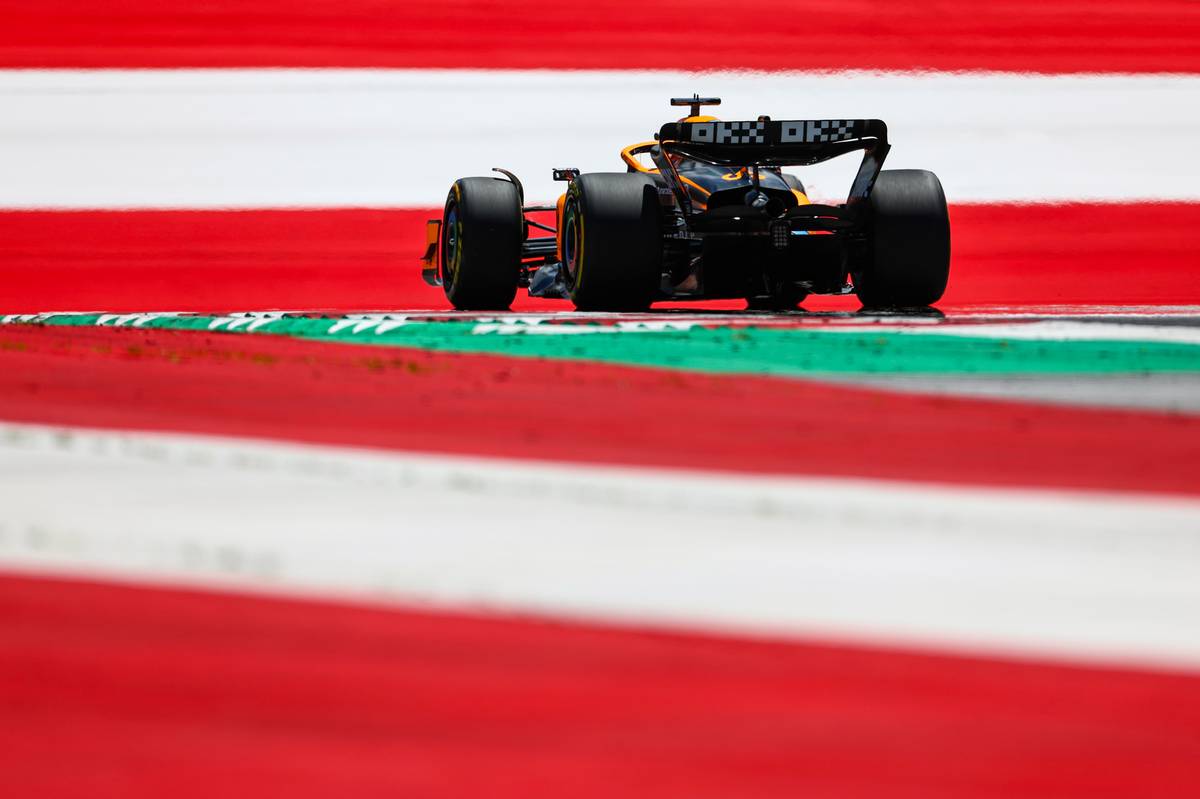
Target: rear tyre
(909, 260)
(482, 231)
(612, 242)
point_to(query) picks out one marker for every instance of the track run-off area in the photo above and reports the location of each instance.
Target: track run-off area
(524, 521)
(273, 518)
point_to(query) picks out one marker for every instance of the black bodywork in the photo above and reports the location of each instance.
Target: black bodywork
(732, 223)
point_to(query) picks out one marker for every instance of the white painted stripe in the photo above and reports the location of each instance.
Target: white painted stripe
(536, 325)
(1004, 312)
(1074, 575)
(1047, 330)
(325, 138)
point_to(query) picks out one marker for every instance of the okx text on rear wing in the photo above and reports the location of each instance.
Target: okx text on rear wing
(776, 143)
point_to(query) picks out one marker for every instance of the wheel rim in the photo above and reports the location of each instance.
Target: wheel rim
(571, 247)
(452, 247)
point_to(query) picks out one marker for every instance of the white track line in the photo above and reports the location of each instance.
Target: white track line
(1043, 573)
(527, 324)
(322, 138)
(1048, 330)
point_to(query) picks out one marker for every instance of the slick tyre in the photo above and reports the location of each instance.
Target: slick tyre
(482, 232)
(612, 242)
(909, 255)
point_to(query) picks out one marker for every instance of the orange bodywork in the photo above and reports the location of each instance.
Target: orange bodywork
(558, 226)
(629, 156)
(629, 153)
(429, 261)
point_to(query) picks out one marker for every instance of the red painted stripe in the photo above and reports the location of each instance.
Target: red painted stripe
(1122, 254)
(367, 259)
(109, 690)
(214, 260)
(275, 387)
(1017, 35)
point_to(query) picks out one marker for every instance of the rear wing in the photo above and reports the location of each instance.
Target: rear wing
(793, 142)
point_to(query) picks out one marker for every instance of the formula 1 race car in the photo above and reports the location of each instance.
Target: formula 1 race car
(715, 217)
